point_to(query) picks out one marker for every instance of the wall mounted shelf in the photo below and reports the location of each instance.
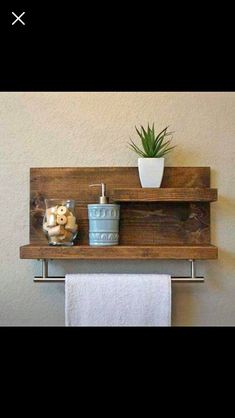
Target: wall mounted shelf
(172, 222)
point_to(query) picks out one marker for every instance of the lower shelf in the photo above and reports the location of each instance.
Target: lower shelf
(120, 252)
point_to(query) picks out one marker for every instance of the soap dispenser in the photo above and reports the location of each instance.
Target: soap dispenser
(103, 220)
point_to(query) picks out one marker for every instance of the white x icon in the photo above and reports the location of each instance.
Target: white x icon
(18, 18)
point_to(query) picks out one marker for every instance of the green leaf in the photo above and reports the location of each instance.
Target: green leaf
(144, 131)
(138, 132)
(161, 132)
(137, 152)
(165, 144)
(159, 143)
(147, 140)
(143, 140)
(164, 152)
(149, 132)
(136, 148)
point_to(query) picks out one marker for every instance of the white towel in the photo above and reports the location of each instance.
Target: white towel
(117, 300)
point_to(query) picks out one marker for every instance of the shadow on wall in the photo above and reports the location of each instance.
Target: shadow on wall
(222, 216)
(225, 262)
(226, 205)
(224, 208)
(184, 292)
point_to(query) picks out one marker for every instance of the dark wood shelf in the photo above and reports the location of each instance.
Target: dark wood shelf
(176, 194)
(152, 218)
(123, 252)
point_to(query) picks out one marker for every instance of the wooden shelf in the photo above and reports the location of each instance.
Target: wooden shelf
(152, 218)
(146, 252)
(176, 194)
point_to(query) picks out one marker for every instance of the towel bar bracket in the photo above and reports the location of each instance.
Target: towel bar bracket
(45, 278)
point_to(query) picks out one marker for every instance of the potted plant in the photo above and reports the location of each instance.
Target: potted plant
(151, 161)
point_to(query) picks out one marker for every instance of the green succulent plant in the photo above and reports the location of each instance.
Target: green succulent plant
(153, 146)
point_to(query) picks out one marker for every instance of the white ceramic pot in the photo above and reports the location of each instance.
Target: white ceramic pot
(151, 171)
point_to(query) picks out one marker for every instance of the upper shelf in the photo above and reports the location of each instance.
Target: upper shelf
(176, 194)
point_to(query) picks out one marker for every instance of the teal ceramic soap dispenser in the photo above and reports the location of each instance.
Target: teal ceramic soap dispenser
(103, 220)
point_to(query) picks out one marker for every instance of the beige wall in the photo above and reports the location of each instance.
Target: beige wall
(92, 129)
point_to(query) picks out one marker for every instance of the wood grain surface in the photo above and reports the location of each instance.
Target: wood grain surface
(176, 194)
(119, 252)
(142, 223)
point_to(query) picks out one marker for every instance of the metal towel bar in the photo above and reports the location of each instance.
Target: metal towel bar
(45, 278)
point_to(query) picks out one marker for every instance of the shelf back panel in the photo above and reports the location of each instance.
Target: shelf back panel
(148, 223)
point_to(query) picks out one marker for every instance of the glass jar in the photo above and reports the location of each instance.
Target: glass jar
(59, 222)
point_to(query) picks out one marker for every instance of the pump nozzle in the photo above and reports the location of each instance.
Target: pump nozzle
(103, 198)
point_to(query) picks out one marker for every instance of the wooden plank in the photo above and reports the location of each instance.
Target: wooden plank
(153, 223)
(164, 223)
(186, 177)
(198, 252)
(177, 194)
(144, 223)
(57, 177)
